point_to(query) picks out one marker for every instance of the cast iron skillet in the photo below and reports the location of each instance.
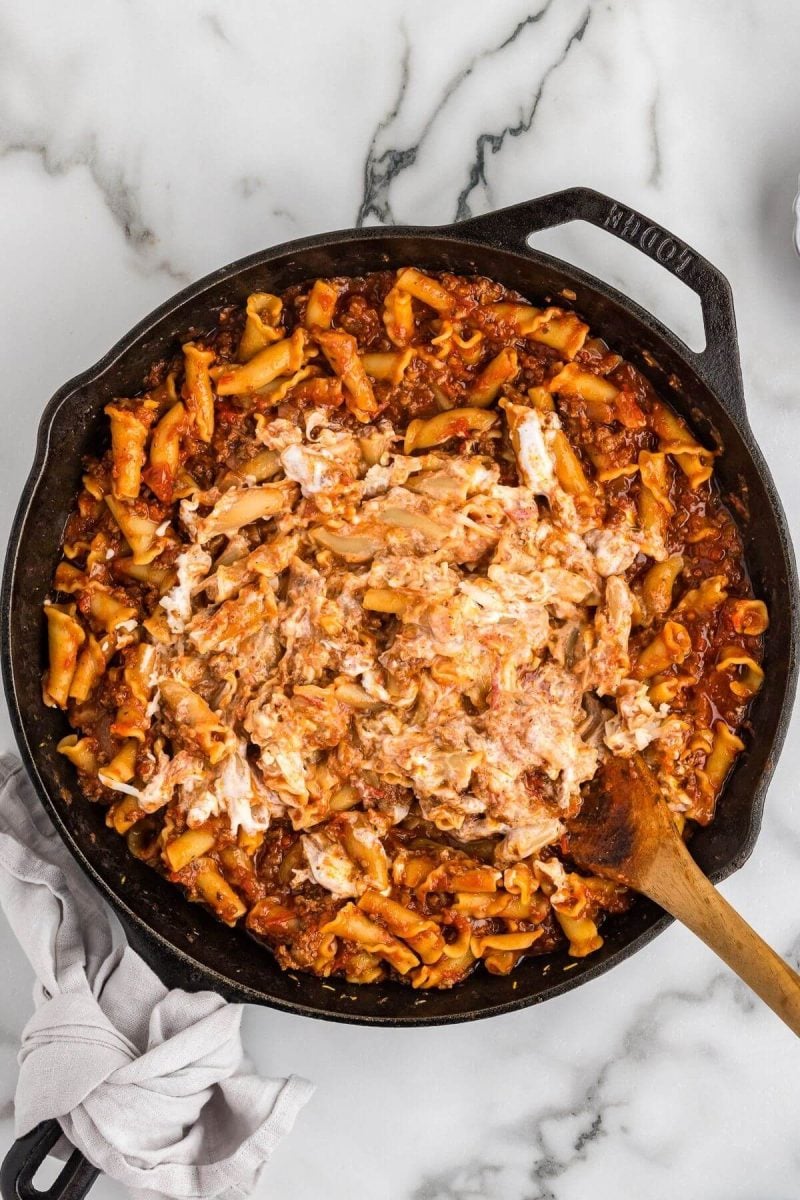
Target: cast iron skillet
(186, 945)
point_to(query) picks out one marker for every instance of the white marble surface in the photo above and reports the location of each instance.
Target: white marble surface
(144, 144)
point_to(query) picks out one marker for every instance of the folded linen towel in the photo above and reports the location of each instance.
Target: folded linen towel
(151, 1085)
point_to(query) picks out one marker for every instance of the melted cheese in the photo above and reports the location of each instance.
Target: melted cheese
(330, 865)
(461, 692)
(637, 722)
(533, 457)
(192, 566)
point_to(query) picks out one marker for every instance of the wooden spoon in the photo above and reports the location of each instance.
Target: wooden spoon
(625, 832)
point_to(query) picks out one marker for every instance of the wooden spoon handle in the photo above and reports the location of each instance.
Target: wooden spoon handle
(680, 887)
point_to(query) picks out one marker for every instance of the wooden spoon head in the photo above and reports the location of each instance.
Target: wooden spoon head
(623, 823)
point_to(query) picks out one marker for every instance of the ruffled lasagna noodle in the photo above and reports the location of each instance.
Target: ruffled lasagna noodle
(371, 580)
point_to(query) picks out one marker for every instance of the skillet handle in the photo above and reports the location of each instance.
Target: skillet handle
(25, 1157)
(718, 364)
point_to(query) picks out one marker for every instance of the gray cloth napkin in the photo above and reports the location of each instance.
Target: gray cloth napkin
(152, 1086)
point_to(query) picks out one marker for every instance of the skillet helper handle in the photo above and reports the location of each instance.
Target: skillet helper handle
(718, 364)
(26, 1156)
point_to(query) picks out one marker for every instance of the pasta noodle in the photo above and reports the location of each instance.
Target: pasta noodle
(669, 647)
(341, 351)
(321, 305)
(261, 326)
(198, 394)
(501, 370)
(281, 358)
(65, 638)
(428, 290)
(725, 747)
(161, 472)
(456, 422)
(129, 432)
(658, 586)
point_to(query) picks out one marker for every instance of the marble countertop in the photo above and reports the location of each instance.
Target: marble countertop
(142, 145)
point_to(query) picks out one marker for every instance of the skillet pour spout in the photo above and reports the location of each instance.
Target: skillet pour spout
(183, 943)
